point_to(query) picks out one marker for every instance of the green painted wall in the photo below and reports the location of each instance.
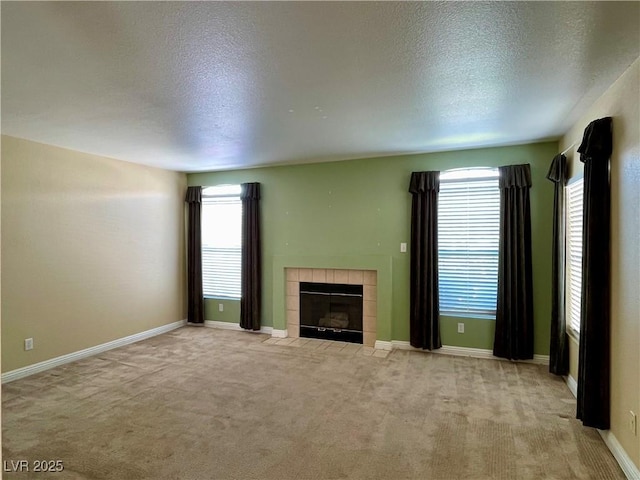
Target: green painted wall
(230, 310)
(360, 208)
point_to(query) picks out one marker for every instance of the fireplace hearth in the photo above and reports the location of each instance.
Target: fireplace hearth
(331, 311)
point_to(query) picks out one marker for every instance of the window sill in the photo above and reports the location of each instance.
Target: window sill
(468, 315)
(220, 297)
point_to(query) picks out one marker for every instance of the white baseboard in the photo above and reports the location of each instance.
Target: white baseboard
(572, 384)
(626, 464)
(87, 352)
(279, 333)
(540, 359)
(465, 352)
(235, 326)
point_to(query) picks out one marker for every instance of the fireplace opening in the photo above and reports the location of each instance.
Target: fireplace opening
(331, 311)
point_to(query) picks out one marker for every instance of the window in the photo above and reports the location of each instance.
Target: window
(574, 195)
(468, 235)
(221, 241)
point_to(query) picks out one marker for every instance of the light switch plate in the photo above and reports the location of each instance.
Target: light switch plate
(403, 248)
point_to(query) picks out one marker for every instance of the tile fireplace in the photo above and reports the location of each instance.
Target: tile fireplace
(364, 281)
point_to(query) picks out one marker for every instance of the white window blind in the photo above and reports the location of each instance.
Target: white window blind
(221, 241)
(574, 196)
(468, 235)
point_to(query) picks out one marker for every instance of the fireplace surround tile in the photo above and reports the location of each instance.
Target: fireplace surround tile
(293, 288)
(330, 276)
(368, 339)
(352, 348)
(368, 323)
(305, 274)
(292, 275)
(370, 277)
(356, 277)
(341, 276)
(369, 308)
(293, 302)
(293, 317)
(369, 292)
(319, 275)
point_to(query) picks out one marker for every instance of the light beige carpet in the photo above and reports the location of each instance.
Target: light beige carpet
(201, 403)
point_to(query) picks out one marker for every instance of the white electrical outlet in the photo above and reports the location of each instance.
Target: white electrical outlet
(461, 328)
(220, 307)
(28, 343)
(633, 423)
(403, 248)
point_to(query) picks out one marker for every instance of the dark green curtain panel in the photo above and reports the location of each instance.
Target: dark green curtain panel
(251, 268)
(594, 362)
(195, 298)
(514, 309)
(559, 345)
(424, 295)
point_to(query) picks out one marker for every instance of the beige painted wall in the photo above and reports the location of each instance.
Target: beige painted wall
(622, 102)
(92, 250)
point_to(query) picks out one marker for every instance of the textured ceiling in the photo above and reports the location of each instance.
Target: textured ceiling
(205, 86)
